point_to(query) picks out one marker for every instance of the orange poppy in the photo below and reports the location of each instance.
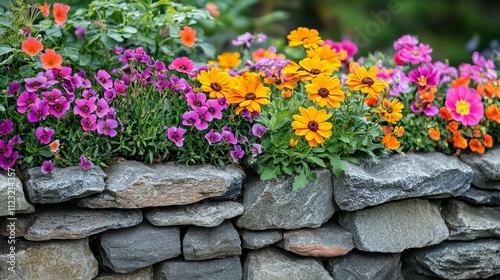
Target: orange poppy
(488, 140)
(32, 46)
(50, 59)
(476, 146)
(461, 81)
(446, 113)
(492, 112)
(458, 141)
(490, 89)
(188, 36)
(452, 126)
(45, 9)
(59, 11)
(434, 134)
(390, 142)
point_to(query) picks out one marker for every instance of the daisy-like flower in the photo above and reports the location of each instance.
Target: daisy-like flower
(229, 60)
(325, 90)
(313, 67)
(366, 81)
(465, 105)
(31, 46)
(85, 164)
(303, 36)
(424, 76)
(391, 110)
(182, 64)
(346, 46)
(313, 125)
(188, 36)
(248, 94)
(176, 135)
(47, 167)
(327, 53)
(215, 82)
(50, 59)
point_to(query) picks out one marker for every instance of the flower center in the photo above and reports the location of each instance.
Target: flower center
(313, 126)
(85, 108)
(250, 96)
(315, 71)
(215, 86)
(367, 81)
(463, 107)
(197, 103)
(422, 81)
(183, 67)
(323, 92)
(211, 110)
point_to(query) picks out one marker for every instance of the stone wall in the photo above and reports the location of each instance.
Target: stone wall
(413, 216)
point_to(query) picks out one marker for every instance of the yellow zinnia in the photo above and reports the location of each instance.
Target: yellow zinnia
(248, 94)
(327, 53)
(229, 60)
(391, 110)
(303, 36)
(215, 82)
(366, 81)
(313, 125)
(313, 67)
(325, 90)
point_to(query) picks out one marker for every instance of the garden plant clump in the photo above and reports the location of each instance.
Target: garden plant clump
(140, 81)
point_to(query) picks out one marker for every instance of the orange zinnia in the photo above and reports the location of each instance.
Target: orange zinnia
(45, 9)
(488, 140)
(434, 134)
(32, 46)
(188, 36)
(59, 11)
(390, 142)
(50, 59)
(476, 146)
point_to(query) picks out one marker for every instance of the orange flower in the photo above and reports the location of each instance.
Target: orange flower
(59, 11)
(50, 59)
(452, 126)
(488, 140)
(390, 142)
(434, 134)
(461, 81)
(387, 129)
(458, 141)
(303, 36)
(399, 131)
(45, 9)
(446, 113)
(477, 132)
(366, 81)
(293, 142)
(371, 101)
(32, 46)
(476, 146)
(54, 146)
(229, 60)
(212, 8)
(492, 112)
(490, 89)
(287, 93)
(427, 94)
(188, 36)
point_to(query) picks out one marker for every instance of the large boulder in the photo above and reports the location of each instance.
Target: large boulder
(486, 168)
(12, 196)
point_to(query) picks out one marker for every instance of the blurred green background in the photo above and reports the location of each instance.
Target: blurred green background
(453, 28)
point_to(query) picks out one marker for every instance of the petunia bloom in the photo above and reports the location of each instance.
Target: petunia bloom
(213, 137)
(47, 167)
(182, 64)
(103, 78)
(50, 59)
(89, 123)
(44, 134)
(465, 105)
(31, 46)
(85, 164)
(60, 13)
(38, 111)
(196, 100)
(85, 107)
(204, 116)
(188, 36)
(107, 127)
(258, 130)
(14, 88)
(237, 153)
(6, 127)
(313, 125)
(176, 135)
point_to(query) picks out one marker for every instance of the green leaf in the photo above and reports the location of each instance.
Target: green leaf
(209, 50)
(269, 174)
(5, 22)
(287, 169)
(130, 29)
(316, 160)
(5, 49)
(26, 70)
(337, 166)
(72, 53)
(299, 182)
(344, 139)
(115, 36)
(46, 153)
(108, 41)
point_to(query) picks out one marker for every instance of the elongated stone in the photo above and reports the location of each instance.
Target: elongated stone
(358, 265)
(486, 168)
(228, 268)
(12, 199)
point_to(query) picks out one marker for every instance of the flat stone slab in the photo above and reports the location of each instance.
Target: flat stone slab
(133, 184)
(215, 269)
(466, 222)
(63, 184)
(357, 265)
(273, 205)
(146, 273)
(210, 243)
(12, 199)
(457, 259)
(395, 226)
(253, 239)
(398, 177)
(203, 214)
(481, 197)
(276, 264)
(329, 240)
(129, 249)
(486, 168)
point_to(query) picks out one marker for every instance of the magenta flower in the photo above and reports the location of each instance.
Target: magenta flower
(176, 135)
(465, 105)
(419, 106)
(80, 32)
(85, 107)
(399, 83)
(16, 140)
(196, 100)
(182, 64)
(256, 149)
(424, 76)
(34, 84)
(214, 108)
(89, 93)
(415, 54)
(258, 130)
(6, 127)
(242, 139)
(349, 47)
(102, 108)
(107, 127)
(68, 86)
(237, 153)
(120, 87)
(50, 96)
(446, 72)
(159, 66)
(44, 134)
(190, 118)
(204, 116)
(228, 137)
(47, 167)
(90, 123)
(25, 100)
(213, 137)
(85, 164)
(14, 88)
(109, 95)
(7, 162)
(103, 78)
(243, 39)
(405, 41)
(5, 148)
(38, 111)
(60, 106)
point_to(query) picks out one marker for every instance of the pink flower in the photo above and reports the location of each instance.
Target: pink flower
(196, 100)
(204, 116)
(415, 54)
(7, 162)
(176, 135)
(85, 107)
(5, 148)
(405, 41)
(213, 137)
(51, 96)
(60, 106)
(120, 87)
(38, 111)
(102, 108)
(6, 127)
(424, 76)
(237, 153)
(89, 123)
(103, 78)
(44, 134)
(214, 108)
(190, 118)
(34, 84)
(25, 100)
(107, 127)
(182, 64)
(258, 130)
(349, 47)
(228, 137)
(85, 164)
(465, 105)
(47, 167)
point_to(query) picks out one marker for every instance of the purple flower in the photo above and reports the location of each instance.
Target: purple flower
(415, 54)
(120, 87)
(84, 107)
(243, 39)
(25, 100)
(399, 83)
(242, 139)
(213, 137)
(8, 162)
(38, 111)
(60, 106)
(89, 93)
(102, 108)
(447, 72)
(68, 86)
(424, 76)
(261, 38)
(5, 148)
(118, 50)
(44, 134)
(50, 96)
(214, 108)
(85, 164)
(14, 88)
(109, 95)
(196, 100)
(6, 127)
(47, 167)
(107, 127)
(190, 118)
(90, 123)
(256, 149)
(405, 41)
(419, 106)
(228, 137)
(103, 78)
(237, 153)
(176, 135)
(34, 84)
(14, 141)
(258, 130)
(204, 116)
(80, 32)
(111, 114)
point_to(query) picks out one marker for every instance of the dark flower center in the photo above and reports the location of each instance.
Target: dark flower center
(211, 110)
(35, 84)
(315, 71)
(250, 96)
(85, 108)
(367, 81)
(183, 67)
(389, 109)
(323, 92)
(215, 86)
(313, 126)
(197, 103)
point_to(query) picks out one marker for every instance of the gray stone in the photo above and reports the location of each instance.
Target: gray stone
(358, 265)
(272, 263)
(398, 177)
(132, 184)
(486, 168)
(21, 225)
(467, 223)
(210, 243)
(128, 249)
(457, 259)
(12, 199)
(68, 222)
(259, 239)
(140, 274)
(203, 214)
(54, 260)
(273, 204)
(481, 197)
(63, 184)
(216, 269)
(395, 226)
(329, 240)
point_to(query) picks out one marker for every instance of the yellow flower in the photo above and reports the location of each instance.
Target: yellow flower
(326, 53)
(216, 83)
(313, 125)
(229, 60)
(313, 67)
(303, 36)
(287, 93)
(248, 93)
(390, 142)
(293, 142)
(391, 110)
(326, 91)
(366, 81)
(291, 71)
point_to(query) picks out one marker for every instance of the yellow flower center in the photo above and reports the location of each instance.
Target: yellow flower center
(463, 107)
(422, 81)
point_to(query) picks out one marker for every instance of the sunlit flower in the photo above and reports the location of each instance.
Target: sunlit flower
(182, 64)
(366, 81)
(326, 91)
(434, 134)
(313, 125)
(215, 82)
(346, 48)
(303, 36)
(248, 94)
(390, 142)
(424, 76)
(459, 141)
(490, 89)
(85, 164)
(50, 59)
(465, 105)
(31, 46)
(423, 102)
(44, 134)
(47, 167)
(391, 110)
(229, 60)
(310, 68)
(188, 36)
(327, 53)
